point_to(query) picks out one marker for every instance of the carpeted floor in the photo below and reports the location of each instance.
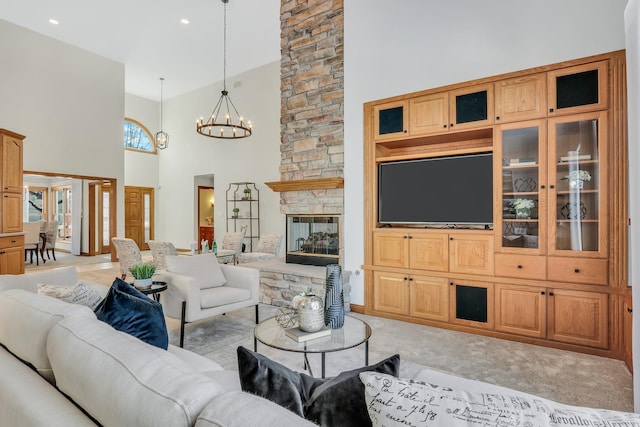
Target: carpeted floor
(567, 377)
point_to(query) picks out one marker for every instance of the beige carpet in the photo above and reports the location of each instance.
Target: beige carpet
(567, 377)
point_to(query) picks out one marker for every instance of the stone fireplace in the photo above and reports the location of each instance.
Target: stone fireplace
(313, 239)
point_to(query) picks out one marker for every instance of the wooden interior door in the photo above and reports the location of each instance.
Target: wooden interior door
(101, 222)
(138, 215)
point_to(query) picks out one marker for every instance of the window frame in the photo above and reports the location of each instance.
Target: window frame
(149, 135)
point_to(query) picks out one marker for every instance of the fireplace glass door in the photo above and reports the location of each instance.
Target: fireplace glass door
(313, 239)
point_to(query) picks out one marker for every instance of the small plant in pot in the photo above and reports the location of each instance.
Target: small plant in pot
(247, 194)
(236, 211)
(143, 275)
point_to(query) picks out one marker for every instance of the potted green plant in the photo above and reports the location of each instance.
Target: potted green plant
(236, 211)
(142, 274)
(577, 178)
(247, 194)
(523, 208)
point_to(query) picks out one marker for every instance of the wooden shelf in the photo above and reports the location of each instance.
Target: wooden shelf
(306, 184)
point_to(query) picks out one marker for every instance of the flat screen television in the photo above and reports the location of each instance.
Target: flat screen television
(456, 190)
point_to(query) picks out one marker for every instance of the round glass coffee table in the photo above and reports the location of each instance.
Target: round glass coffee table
(354, 333)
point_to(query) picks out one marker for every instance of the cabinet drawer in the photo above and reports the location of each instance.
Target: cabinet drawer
(523, 266)
(577, 270)
(11, 241)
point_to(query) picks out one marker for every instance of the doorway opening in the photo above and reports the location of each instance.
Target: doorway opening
(64, 197)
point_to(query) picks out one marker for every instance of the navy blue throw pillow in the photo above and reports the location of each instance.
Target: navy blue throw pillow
(337, 401)
(128, 310)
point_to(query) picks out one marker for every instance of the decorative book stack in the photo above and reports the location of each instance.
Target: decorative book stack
(299, 335)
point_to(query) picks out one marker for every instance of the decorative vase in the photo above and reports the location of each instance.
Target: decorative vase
(576, 184)
(523, 213)
(334, 299)
(143, 283)
(310, 312)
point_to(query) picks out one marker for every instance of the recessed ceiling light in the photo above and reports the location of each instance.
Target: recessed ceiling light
(53, 21)
(184, 21)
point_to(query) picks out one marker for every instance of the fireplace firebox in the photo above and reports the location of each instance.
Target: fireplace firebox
(313, 239)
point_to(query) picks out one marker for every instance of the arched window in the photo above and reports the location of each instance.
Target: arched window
(137, 137)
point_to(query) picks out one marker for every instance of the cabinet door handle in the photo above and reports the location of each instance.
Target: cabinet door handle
(450, 238)
(519, 266)
(552, 186)
(451, 125)
(551, 110)
(444, 126)
(450, 283)
(541, 292)
(410, 236)
(411, 279)
(13, 241)
(405, 237)
(577, 270)
(405, 131)
(629, 309)
(497, 117)
(542, 186)
(550, 294)
(404, 278)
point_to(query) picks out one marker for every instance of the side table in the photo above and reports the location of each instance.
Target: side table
(154, 290)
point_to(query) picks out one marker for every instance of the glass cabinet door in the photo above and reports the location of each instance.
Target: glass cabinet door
(578, 191)
(520, 154)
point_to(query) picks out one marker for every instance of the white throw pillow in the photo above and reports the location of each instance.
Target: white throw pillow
(233, 242)
(79, 294)
(204, 268)
(397, 402)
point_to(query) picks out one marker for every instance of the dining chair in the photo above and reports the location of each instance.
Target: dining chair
(51, 237)
(159, 250)
(32, 240)
(128, 254)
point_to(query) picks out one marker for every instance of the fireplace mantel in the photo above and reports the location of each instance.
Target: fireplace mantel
(306, 184)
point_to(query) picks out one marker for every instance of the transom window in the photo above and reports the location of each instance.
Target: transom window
(137, 137)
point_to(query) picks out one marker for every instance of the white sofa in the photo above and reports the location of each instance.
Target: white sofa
(61, 366)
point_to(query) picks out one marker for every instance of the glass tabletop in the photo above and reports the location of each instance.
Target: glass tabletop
(353, 333)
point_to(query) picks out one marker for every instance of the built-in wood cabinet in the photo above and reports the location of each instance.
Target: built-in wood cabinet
(434, 251)
(12, 255)
(391, 120)
(551, 268)
(11, 241)
(578, 317)
(577, 89)
(563, 315)
(521, 98)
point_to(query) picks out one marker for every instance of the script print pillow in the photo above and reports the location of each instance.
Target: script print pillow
(395, 402)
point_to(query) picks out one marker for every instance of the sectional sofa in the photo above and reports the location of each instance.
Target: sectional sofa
(61, 366)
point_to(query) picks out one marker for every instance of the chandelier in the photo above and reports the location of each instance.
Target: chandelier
(224, 122)
(162, 138)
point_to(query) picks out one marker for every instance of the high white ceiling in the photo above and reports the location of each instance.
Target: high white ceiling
(148, 37)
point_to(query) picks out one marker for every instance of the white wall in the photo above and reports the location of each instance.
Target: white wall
(392, 49)
(254, 159)
(632, 25)
(68, 102)
(141, 169)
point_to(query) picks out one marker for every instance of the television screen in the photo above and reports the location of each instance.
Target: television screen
(443, 190)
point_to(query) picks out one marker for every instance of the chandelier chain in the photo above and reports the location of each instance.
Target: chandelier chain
(224, 122)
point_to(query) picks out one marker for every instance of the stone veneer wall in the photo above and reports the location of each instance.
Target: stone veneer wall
(312, 131)
(312, 102)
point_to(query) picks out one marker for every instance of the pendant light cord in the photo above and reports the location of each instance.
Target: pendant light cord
(161, 98)
(224, 67)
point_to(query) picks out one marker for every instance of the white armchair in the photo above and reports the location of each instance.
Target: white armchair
(199, 287)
